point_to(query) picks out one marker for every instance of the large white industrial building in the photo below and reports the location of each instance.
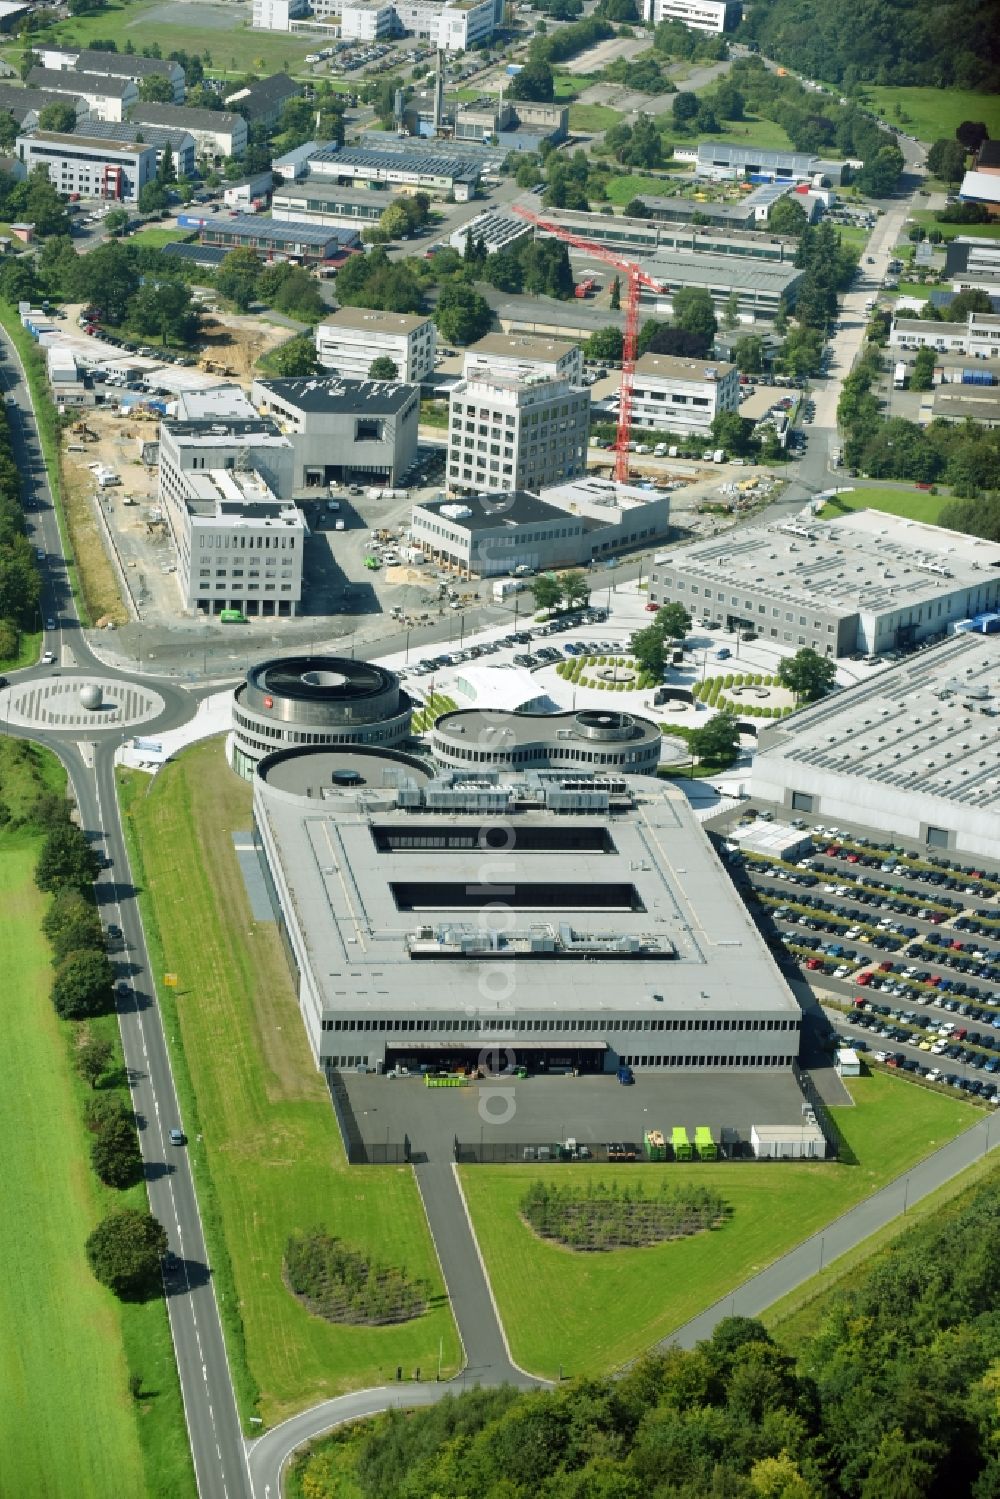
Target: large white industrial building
(912, 752)
(620, 938)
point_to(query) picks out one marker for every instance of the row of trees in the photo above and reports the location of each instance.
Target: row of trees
(20, 585)
(569, 591)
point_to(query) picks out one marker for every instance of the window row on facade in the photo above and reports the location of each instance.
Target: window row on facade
(618, 1026)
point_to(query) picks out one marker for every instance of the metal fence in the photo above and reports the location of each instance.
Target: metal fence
(360, 1152)
(599, 1153)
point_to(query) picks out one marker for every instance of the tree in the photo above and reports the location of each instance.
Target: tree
(731, 315)
(748, 354)
(166, 170)
(575, 589)
(673, 621)
(971, 134)
(605, 343)
(43, 206)
(807, 674)
(297, 357)
(71, 923)
(59, 117)
(647, 648)
(116, 221)
(534, 82)
(616, 294)
(680, 342)
(880, 174)
(973, 300)
(238, 275)
(685, 109)
(728, 101)
(383, 368)
(164, 309)
(82, 985)
(718, 742)
(94, 1056)
(296, 293)
(923, 370)
(694, 312)
(124, 1253)
(152, 197)
(394, 221)
(787, 217)
(546, 591)
(636, 209)
(66, 858)
(156, 88)
(115, 1154)
(946, 159)
(462, 315)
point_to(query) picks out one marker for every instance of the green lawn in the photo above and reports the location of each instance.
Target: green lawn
(268, 1157)
(155, 238)
(568, 86)
(932, 113)
(622, 190)
(29, 646)
(592, 117)
(590, 1313)
(928, 218)
(914, 504)
(915, 289)
(67, 1424)
(234, 48)
(753, 131)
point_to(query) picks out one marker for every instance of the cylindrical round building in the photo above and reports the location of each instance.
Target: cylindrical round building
(315, 700)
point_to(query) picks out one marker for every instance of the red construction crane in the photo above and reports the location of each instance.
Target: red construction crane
(635, 278)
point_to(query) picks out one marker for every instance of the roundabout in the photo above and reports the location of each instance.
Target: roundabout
(80, 704)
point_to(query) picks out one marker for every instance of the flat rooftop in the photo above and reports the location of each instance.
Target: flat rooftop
(612, 897)
(83, 142)
(865, 560)
(598, 498)
(667, 367)
(314, 394)
(217, 429)
(499, 729)
(256, 226)
(494, 512)
(429, 164)
(926, 725)
(369, 318)
(227, 498)
(980, 402)
(719, 271)
(521, 346)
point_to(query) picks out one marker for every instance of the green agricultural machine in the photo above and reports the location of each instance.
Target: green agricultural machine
(705, 1147)
(654, 1145)
(680, 1143)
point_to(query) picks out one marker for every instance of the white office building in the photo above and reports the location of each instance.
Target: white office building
(682, 395)
(350, 339)
(978, 337)
(366, 20)
(518, 356)
(277, 15)
(455, 26)
(217, 133)
(91, 168)
(697, 15)
(508, 434)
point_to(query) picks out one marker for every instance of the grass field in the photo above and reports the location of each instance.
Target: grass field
(567, 86)
(621, 190)
(753, 131)
(915, 289)
(232, 46)
(28, 647)
(931, 114)
(589, 1313)
(67, 1425)
(270, 1157)
(592, 117)
(928, 218)
(914, 504)
(154, 239)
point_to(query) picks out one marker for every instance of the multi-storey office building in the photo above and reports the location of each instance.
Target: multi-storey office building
(238, 546)
(92, 168)
(505, 434)
(696, 15)
(473, 738)
(553, 918)
(344, 431)
(519, 357)
(682, 395)
(217, 133)
(352, 338)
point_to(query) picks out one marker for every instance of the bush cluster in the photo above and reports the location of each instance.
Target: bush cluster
(601, 1217)
(341, 1285)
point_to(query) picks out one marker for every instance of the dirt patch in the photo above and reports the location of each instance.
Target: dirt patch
(98, 579)
(238, 344)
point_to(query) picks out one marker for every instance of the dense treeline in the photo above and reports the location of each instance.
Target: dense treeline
(936, 43)
(20, 585)
(893, 1397)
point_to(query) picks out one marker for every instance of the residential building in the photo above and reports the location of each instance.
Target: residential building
(130, 65)
(277, 15)
(25, 105)
(567, 525)
(273, 239)
(262, 103)
(722, 160)
(217, 133)
(314, 700)
(392, 966)
(519, 357)
(493, 229)
(344, 431)
(489, 737)
(180, 143)
(238, 546)
(866, 581)
(348, 340)
(507, 435)
(92, 168)
(910, 752)
(439, 172)
(682, 395)
(103, 97)
(313, 201)
(696, 15)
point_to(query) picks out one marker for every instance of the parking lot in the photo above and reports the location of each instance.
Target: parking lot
(907, 942)
(593, 1110)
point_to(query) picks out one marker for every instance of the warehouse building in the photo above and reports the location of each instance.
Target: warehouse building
(315, 202)
(911, 753)
(967, 403)
(90, 167)
(344, 431)
(972, 264)
(520, 357)
(487, 737)
(866, 581)
(758, 287)
(104, 98)
(567, 525)
(440, 172)
(315, 700)
(682, 395)
(663, 236)
(272, 240)
(517, 125)
(622, 942)
(505, 434)
(350, 339)
(978, 336)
